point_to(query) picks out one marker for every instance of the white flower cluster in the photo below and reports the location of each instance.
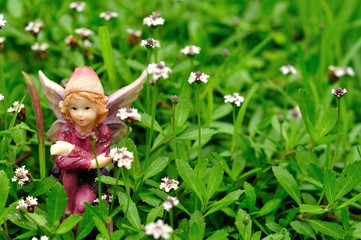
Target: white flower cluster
(198, 77)
(169, 184)
(1, 97)
(339, 92)
(153, 20)
(191, 50)
(122, 157)
(136, 33)
(342, 71)
(159, 71)
(87, 43)
(170, 203)
(22, 175)
(106, 197)
(2, 21)
(235, 98)
(286, 69)
(39, 47)
(29, 203)
(108, 15)
(150, 43)
(16, 105)
(78, 6)
(41, 238)
(129, 115)
(34, 27)
(158, 229)
(84, 32)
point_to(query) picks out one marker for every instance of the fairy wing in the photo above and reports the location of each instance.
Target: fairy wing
(124, 97)
(54, 94)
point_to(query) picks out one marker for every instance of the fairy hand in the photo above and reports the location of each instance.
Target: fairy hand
(61, 147)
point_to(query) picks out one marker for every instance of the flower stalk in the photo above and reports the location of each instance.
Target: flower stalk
(199, 122)
(338, 133)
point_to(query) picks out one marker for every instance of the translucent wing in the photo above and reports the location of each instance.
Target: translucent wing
(54, 94)
(124, 97)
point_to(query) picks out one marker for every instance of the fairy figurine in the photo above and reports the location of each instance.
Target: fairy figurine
(83, 113)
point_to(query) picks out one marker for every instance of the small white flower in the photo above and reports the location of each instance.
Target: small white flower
(136, 33)
(16, 105)
(1, 16)
(338, 92)
(22, 175)
(191, 50)
(41, 238)
(31, 201)
(169, 184)
(235, 98)
(2, 23)
(84, 32)
(122, 157)
(21, 206)
(198, 77)
(158, 229)
(170, 203)
(2, 39)
(108, 15)
(34, 27)
(159, 71)
(153, 20)
(87, 43)
(150, 43)
(286, 69)
(30, 204)
(342, 71)
(78, 6)
(129, 115)
(39, 47)
(295, 113)
(1, 97)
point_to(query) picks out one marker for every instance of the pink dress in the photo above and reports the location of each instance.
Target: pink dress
(78, 181)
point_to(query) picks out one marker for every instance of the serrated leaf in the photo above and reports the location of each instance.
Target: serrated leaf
(156, 167)
(224, 202)
(68, 224)
(155, 213)
(214, 180)
(191, 179)
(4, 189)
(304, 157)
(329, 228)
(44, 186)
(86, 225)
(349, 178)
(101, 227)
(56, 203)
(303, 228)
(146, 121)
(329, 184)
(132, 214)
(326, 123)
(250, 196)
(197, 226)
(269, 207)
(288, 182)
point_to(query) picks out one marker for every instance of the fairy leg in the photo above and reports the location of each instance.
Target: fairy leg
(70, 182)
(85, 193)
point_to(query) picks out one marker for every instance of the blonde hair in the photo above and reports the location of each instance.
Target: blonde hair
(98, 99)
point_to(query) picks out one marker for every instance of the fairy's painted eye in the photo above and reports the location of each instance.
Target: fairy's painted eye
(87, 108)
(74, 108)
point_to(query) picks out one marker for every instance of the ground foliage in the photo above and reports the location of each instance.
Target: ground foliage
(273, 179)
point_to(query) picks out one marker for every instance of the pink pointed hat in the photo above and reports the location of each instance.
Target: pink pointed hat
(84, 79)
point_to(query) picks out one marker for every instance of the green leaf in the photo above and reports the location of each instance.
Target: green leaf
(68, 224)
(15, 8)
(101, 227)
(117, 235)
(132, 215)
(303, 228)
(37, 218)
(156, 167)
(214, 180)
(244, 227)
(27, 235)
(4, 189)
(219, 235)
(107, 52)
(329, 184)
(86, 225)
(250, 196)
(20, 220)
(155, 213)
(193, 134)
(269, 207)
(350, 201)
(315, 209)
(146, 121)
(224, 202)
(307, 108)
(288, 182)
(357, 232)
(197, 226)
(349, 178)
(329, 228)
(326, 123)
(44, 186)
(304, 157)
(56, 203)
(110, 180)
(182, 110)
(191, 179)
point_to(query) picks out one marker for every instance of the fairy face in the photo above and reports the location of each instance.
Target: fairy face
(83, 113)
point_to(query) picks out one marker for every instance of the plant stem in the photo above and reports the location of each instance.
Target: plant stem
(174, 133)
(192, 63)
(338, 132)
(235, 132)
(148, 84)
(98, 170)
(199, 123)
(171, 221)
